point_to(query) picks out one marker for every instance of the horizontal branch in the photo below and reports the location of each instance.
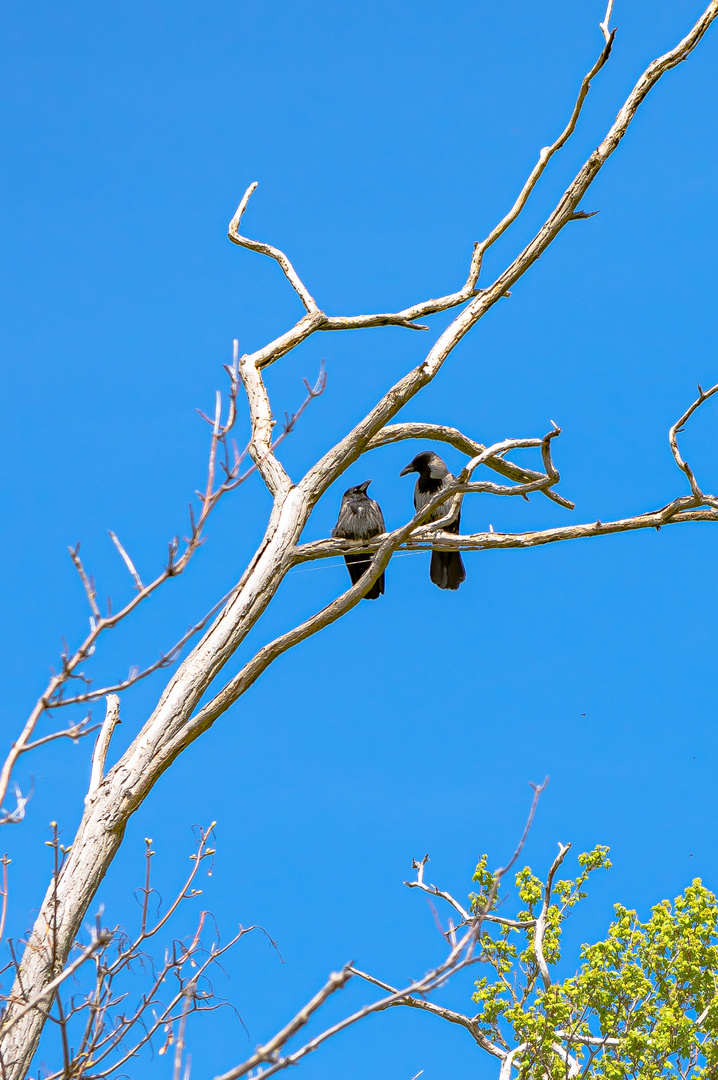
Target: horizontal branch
(676, 512)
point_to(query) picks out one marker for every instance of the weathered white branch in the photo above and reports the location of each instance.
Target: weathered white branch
(540, 926)
(126, 560)
(260, 412)
(432, 890)
(588, 1040)
(676, 512)
(679, 425)
(442, 433)
(318, 320)
(606, 21)
(266, 249)
(544, 157)
(572, 1066)
(102, 745)
(506, 1064)
(319, 478)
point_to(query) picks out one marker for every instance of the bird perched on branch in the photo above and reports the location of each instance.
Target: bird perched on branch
(360, 518)
(447, 567)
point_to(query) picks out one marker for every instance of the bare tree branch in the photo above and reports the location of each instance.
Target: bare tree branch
(318, 320)
(273, 253)
(53, 694)
(436, 1010)
(673, 439)
(540, 924)
(127, 560)
(441, 433)
(103, 938)
(112, 719)
(544, 157)
(260, 446)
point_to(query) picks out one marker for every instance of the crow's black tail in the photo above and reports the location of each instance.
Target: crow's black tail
(447, 569)
(357, 565)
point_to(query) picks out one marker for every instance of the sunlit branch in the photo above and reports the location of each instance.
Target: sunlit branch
(398, 432)
(540, 925)
(136, 676)
(436, 1010)
(317, 320)
(544, 157)
(267, 249)
(102, 745)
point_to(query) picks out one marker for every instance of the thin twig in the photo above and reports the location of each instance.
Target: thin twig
(99, 942)
(127, 560)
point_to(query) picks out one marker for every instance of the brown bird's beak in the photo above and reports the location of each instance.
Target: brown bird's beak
(364, 486)
(409, 468)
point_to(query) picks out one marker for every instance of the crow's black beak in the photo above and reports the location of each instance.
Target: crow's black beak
(364, 486)
(409, 468)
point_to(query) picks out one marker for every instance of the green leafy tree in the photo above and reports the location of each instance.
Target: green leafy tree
(643, 1001)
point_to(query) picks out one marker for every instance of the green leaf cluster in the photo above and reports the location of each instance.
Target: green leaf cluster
(643, 1002)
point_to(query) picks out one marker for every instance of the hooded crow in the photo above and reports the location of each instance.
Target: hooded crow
(360, 518)
(447, 567)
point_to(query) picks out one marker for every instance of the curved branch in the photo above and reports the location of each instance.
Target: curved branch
(442, 433)
(274, 253)
(437, 1010)
(679, 425)
(544, 157)
(506, 1064)
(260, 412)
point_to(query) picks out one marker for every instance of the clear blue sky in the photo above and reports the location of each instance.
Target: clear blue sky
(386, 138)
